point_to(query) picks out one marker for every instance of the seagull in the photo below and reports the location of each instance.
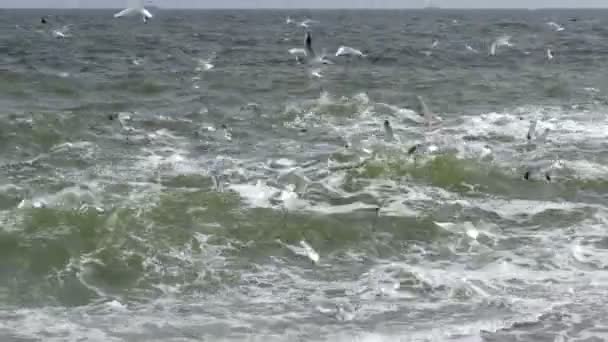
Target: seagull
(316, 73)
(533, 134)
(298, 53)
(555, 26)
(61, 33)
(308, 46)
(310, 252)
(388, 132)
(425, 112)
(306, 23)
(135, 7)
(435, 44)
(205, 64)
(469, 48)
(535, 171)
(310, 53)
(349, 51)
(288, 20)
(549, 54)
(532, 129)
(501, 41)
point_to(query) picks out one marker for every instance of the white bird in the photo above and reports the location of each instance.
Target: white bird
(425, 112)
(435, 44)
(388, 132)
(288, 20)
(549, 54)
(349, 51)
(469, 48)
(61, 33)
(205, 64)
(291, 199)
(310, 252)
(306, 23)
(533, 134)
(555, 26)
(500, 41)
(298, 53)
(135, 7)
(316, 73)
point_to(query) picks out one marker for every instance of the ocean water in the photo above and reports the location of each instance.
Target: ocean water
(189, 180)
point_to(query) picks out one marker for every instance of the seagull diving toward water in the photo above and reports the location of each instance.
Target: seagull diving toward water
(501, 41)
(533, 134)
(388, 132)
(555, 26)
(531, 130)
(349, 51)
(135, 7)
(425, 112)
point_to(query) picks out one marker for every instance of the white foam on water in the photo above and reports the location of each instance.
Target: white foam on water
(567, 127)
(588, 170)
(53, 325)
(258, 195)
(518, 209)
(325, 208)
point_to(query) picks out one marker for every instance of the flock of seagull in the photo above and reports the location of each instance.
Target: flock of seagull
(308, 55)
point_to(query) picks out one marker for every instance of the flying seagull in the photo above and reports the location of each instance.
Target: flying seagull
(557, 27)
(310, 53)
(135, 7)
(349, 51)
(500, 41)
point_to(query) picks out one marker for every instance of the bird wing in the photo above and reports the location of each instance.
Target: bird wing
(297, 52)
(146, 13)
(531, 130)
(125, 12)
(308, 45)
(428, 116)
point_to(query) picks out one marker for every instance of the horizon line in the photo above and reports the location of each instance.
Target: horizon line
(314, 8)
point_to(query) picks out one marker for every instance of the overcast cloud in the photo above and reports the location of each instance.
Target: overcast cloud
(306, 3)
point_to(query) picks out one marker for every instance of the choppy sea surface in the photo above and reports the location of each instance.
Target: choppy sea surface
(188, 180)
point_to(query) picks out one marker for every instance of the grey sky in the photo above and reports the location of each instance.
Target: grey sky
(306, 3)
